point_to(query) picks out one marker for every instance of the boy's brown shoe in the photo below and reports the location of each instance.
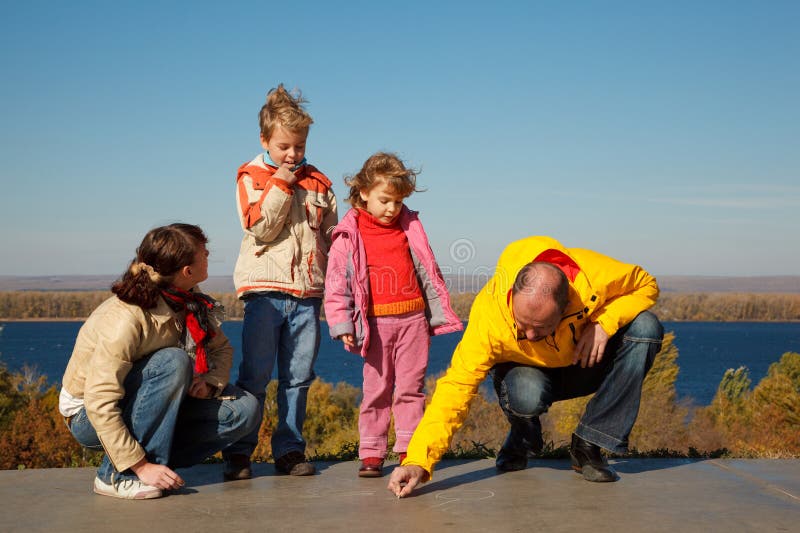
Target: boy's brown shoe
(237, 466)
(294, 464)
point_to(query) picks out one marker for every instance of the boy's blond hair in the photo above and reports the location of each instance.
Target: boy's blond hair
(381, 167)
(283, 108)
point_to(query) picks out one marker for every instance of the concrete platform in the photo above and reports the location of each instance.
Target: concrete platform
(652, 495)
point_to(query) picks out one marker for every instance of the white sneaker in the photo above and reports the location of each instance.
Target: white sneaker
(128, 489)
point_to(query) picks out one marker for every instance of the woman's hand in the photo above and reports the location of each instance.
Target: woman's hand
(156, 475)
(200, 389)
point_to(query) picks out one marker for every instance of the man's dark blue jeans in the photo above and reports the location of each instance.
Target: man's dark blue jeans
(525, 392)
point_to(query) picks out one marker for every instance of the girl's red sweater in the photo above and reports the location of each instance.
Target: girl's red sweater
(393, 285)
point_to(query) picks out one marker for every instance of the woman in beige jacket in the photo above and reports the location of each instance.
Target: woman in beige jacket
(148, 379)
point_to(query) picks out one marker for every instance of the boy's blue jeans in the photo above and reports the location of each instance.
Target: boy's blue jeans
(279, 326)
(525, 392)
(173, 428)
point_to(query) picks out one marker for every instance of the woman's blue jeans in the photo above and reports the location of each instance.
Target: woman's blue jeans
(278, 326)
(173, 428)
(525, 392)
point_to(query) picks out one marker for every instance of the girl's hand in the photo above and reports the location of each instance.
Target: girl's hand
(199, 388)
(285, 173)
(347, 339)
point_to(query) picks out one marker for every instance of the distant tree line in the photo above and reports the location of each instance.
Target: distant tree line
(32, 305)
(671, 307)
(728, 307)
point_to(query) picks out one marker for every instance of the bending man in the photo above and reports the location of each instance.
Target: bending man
(553, 323)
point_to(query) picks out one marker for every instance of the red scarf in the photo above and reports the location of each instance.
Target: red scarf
(197, 305)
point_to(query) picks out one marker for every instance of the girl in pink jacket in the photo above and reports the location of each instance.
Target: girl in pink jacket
(384, 298)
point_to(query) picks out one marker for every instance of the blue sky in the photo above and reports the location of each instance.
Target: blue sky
(662, 133)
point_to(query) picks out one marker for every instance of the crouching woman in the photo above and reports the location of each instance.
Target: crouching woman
(147, 381)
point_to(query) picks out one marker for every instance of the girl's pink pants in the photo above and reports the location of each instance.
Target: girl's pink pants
(394, 375)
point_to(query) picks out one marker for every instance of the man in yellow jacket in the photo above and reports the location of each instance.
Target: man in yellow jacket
(553, 323)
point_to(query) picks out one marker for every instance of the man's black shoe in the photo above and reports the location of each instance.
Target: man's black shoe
(508, 461)
(589, 461)
(237, 466)
(512, 456)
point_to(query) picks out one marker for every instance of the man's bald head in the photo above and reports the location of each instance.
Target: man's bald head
(545, 280)
(540, 294)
